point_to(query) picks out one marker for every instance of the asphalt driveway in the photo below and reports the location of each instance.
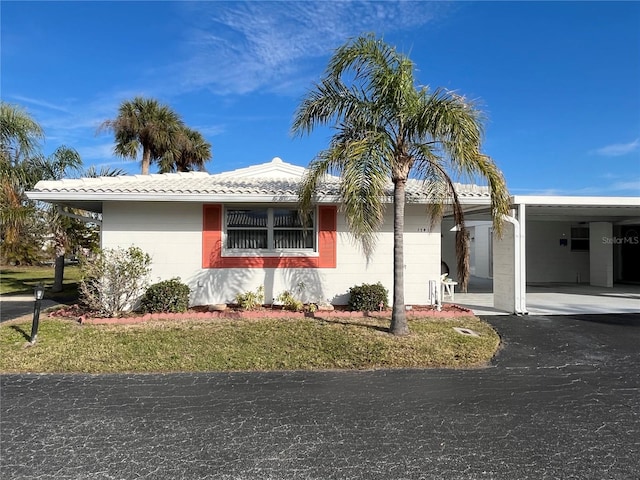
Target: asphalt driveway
(561, 400)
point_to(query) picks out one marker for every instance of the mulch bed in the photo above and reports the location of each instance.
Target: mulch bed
(234, 312)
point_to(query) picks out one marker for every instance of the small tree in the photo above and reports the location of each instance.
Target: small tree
(114, 280)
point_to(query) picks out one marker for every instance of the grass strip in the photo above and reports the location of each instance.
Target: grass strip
(65, 346)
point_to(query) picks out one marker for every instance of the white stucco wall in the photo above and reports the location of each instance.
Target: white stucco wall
(479, 239)
(547, 260)
(448, 247)
(172, 234)
(481, 247)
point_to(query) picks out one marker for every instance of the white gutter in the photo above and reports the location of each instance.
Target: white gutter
(576, 201)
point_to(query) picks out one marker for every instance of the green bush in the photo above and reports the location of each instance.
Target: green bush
(368, 297)
(289, 302)
(169, 296)
(251, 300)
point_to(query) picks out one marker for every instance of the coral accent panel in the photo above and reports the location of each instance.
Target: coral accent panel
(327, 226)
(212, 244)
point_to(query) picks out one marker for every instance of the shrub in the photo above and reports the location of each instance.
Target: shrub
(368, 297)
(251, 300)
(113, 280)
(169, 296)
(289, 302)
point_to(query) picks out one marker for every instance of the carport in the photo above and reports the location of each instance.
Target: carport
(557, 255)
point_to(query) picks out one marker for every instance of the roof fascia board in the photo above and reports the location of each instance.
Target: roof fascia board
(575, 201)
(221, 198)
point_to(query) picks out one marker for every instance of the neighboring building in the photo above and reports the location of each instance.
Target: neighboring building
(232, 232)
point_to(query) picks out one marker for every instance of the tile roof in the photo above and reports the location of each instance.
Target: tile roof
(274, 179)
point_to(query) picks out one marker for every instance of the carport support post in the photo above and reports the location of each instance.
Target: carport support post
(601, 254)
(521, 274)
(509, 265)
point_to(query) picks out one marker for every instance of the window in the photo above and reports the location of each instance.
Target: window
(268, 229)
(579, 239)
(321, 234)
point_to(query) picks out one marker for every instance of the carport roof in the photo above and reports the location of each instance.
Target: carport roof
(567, 208)
(575, 208)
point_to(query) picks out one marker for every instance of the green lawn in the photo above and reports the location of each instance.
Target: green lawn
(22, 280)
(243, 345)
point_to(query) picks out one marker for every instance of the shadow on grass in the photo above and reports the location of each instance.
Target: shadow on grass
(27, 336)
(335, 321)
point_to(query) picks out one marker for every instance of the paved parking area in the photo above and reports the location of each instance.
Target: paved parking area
(557, 299)
(561, 400)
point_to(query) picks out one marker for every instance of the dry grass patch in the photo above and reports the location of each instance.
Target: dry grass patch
(244, 345)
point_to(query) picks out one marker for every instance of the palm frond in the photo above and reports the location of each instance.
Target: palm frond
(388, 129)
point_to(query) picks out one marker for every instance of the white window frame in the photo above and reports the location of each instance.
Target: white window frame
(269, 251)
(579, 243)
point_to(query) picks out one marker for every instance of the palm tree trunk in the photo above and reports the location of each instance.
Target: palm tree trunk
(399, 324)
(59, 274)
(146, 160)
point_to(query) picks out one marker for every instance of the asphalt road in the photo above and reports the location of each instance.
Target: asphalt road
(561, 401)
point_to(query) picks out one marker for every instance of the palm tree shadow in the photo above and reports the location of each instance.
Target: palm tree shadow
(357, 324)
(26, 336)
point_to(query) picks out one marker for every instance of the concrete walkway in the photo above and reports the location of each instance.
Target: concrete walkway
(561, 400)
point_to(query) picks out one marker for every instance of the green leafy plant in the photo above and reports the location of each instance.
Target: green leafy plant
(170, 296)
(251, 300)
(368, 297)
(114, 279)
(289, 301)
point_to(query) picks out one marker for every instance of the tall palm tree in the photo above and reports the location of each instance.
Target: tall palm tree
(388, 128)
(20, 136)
(189, 151)
(143, 124)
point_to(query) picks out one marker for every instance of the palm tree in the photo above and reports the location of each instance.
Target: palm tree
(66, 225)
(60, 164)
(189, 151)
(20, 136)
(388, 128)
(143, 123)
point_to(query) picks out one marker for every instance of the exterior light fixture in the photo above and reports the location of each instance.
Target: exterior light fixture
(38, 293)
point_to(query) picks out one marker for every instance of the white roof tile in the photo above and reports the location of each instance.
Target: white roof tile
(275, 179)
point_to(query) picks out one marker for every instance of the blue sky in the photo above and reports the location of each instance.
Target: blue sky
(559, 82)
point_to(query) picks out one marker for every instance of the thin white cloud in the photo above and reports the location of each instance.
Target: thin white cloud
(630, 186)
(535, 191)
(619, 149)
(39, 103)
(239, 48)
(98, 152)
